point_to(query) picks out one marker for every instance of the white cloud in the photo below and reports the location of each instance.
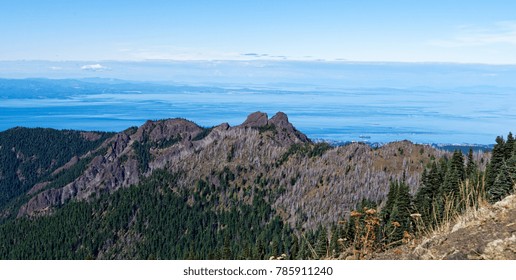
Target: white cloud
(94, 67)
(171, 52)
(56, 68)
(471, 36)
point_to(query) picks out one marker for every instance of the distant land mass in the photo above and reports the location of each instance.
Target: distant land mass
(171, 189)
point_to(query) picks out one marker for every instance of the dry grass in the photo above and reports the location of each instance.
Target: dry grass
(471, 198)
(479, 231)
(467, 206)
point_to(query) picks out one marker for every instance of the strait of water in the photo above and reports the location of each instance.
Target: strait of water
(373, 115)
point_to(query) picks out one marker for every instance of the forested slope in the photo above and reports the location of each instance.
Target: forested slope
(29, 155)
(171, 189)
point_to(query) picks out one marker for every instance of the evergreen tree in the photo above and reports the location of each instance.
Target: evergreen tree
(502, 186)
(427, 196)
(397, 218)
(454, 175)
(259, 250)
(424, 177)
(509, 146)
(304, 250)
(392, 196)
(435, 179)
(247, 252)
(334, 244)
(497, 160)
(294, 248)
(394, 229)
(443, 167)
(274, 247)
(514, 149)
(321, 248)
(471, 165)
(511, 168)
(349, 231)
(404, 205)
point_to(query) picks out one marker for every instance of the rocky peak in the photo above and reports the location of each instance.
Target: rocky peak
(280, 119)
(256, 119)
(222, 127)
(285, 128)
(166, 129)
(285, 132)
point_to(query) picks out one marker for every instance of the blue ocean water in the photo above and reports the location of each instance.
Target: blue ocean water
(423, 115)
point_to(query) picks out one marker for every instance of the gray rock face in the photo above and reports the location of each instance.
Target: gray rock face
(119, 166)
(284, 131)
(69, 164)
(223, 126)
(91, 136)
(157, 131)
(41, 203)
(256, 119)
(281, 120)
(164, 130)
(37, 187)
(119, 144)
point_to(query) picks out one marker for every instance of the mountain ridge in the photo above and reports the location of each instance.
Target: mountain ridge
(263, 169)
(260, 147)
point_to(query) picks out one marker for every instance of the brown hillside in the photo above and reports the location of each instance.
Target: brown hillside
(308, 182)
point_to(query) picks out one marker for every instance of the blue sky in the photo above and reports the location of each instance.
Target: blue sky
(398, 30)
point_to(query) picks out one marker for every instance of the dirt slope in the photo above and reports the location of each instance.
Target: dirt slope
(486, 234)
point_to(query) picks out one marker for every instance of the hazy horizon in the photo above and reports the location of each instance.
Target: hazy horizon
(316, 73)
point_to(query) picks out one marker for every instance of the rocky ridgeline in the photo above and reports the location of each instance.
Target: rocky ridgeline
(312, 183)
(119, 167)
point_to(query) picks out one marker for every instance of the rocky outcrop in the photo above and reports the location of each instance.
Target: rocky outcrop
(166, 129)
(256, 119)
(284, 131)
(41, 204)
(91, 136)
(37, 187)
(67, 165)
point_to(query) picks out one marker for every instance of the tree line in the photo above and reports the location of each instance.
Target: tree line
(449, 187)
(157, 220)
